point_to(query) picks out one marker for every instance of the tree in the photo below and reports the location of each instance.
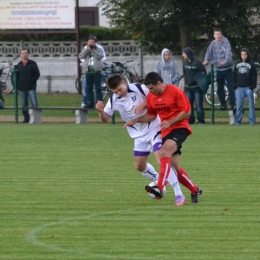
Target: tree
(176, 24)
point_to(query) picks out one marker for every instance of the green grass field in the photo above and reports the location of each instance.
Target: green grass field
(70, 191)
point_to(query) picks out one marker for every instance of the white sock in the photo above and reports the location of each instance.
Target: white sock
(173, 180)
(150, 173)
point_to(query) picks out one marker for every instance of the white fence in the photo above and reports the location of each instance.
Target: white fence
(57, 61)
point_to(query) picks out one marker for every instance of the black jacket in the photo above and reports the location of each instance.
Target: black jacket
(191, 68)
(245, 73)
(27, 75)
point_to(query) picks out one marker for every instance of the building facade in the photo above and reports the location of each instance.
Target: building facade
(90, 14)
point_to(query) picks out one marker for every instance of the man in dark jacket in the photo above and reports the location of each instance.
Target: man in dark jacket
(27, 76)
(245, 75)
(191, 68)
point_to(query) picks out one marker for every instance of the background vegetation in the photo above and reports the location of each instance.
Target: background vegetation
(104, 34)
(176, 24)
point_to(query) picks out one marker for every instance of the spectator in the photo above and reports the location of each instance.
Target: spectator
(219, 50)
(27, 75)
(84, 83)
(245, 75)
(168, 69)
(191, 68)
(92, 66)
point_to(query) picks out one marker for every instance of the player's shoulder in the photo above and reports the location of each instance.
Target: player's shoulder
(172, 88)
(137, 88)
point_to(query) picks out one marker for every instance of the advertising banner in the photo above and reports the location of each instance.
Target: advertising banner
(21, 14)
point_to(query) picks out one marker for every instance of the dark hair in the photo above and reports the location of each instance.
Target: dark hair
(114, 81)
(24, 49)
(217, 30)
(92, 37)
(152, 78)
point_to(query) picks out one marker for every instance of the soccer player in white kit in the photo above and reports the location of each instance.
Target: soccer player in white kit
(130, 101)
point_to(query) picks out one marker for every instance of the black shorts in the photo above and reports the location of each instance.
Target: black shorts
(178, 135)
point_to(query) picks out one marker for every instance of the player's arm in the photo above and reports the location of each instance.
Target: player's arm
(102, 115)
(143, 119)
(140, 108)
(181, 116)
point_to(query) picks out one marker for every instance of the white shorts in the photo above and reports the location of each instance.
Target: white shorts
(151, 142)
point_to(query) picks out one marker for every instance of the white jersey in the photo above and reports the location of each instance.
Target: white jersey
(126, 106)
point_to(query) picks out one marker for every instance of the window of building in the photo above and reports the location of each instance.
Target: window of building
(89, 16)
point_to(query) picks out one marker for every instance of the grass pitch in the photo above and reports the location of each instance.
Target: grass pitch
(71, 192)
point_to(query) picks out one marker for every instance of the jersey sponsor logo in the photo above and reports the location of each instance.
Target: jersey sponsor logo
(158, 109)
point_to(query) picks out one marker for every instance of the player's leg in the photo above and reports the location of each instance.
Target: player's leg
(185, 180)
(147, 170)
(168, 173)
(141, 153)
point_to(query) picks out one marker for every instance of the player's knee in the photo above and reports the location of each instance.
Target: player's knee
(140, 167)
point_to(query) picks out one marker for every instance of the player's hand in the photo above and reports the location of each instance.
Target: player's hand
(100, 106)
(222, 63)
(140, 108)
(205, 63)
(165, 124)
(130, 122)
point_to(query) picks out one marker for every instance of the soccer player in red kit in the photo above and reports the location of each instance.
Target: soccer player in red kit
(173, 108)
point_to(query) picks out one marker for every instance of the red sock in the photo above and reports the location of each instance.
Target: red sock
(185, 180)
(165, 168)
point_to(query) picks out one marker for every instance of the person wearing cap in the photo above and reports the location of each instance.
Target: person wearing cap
(191, 68)
(167, 68)
(245, 80)
(92, 66)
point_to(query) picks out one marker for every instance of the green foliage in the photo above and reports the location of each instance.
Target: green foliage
(102, 33)
(177, 24)
(70, 192)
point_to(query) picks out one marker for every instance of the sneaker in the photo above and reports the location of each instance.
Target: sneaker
(82, 105)
(195, 196)
(222, 108)
(155, 191)
(179, 200)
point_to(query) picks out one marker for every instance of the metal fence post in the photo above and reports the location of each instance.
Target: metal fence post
(212, 95)
(15, 95)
